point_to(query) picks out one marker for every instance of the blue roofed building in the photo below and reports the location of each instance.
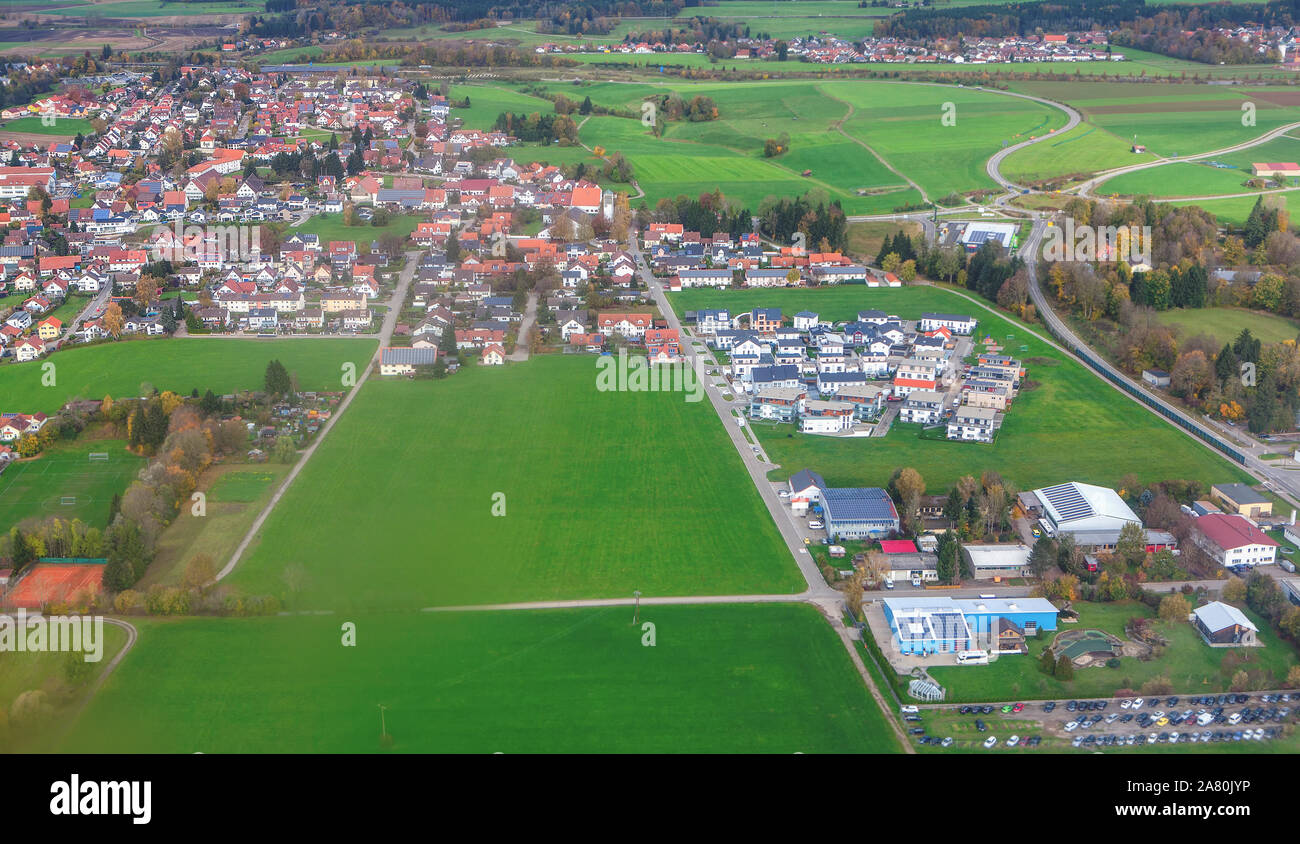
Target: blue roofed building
(927, 625)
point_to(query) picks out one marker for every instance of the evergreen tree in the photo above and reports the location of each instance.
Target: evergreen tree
(209, 404)
(277, 379)
(1064, 668)
(21, 553)
(1226, 364)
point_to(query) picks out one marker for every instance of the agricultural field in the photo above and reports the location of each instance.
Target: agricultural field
(1180, 178)
(1178, 120)
(36, 489)
(738, 678)
(1188, 662)
(1067, 424)
(1232, 211)
(1085, 149)
(157, 8)
(180, 365)
(834, 127)
(1224, 324)
(583, 510)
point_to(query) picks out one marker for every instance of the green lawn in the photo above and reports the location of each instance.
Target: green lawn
(604, 493)
(330, 227)
(1084, 149)
(1071, 426)
(735, 678)
(181, 365)
(1191, 665)
(34, 489)
(62, 126)
(1224, 324)
(1232, 211)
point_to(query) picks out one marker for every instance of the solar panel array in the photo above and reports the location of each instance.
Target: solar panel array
(1068, 502)
(950, 627)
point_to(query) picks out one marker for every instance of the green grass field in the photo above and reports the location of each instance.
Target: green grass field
(34, 489)
(604, 493)
(901, 123)
(1071, 426)
(330, 227)
(1084, 149)
(742, 678)
(1191, 665)
(181, 365)
(1232, 211)
(160, 8)
(235, 494)
(62, 127)
(1224, 324)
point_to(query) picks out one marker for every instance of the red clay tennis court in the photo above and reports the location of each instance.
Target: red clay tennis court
(50, 582)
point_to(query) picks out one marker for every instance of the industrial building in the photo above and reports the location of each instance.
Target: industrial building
(926, 625)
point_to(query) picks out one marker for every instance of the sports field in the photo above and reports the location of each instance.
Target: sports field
(61, 127)
(181, 365)
(735, 678)
(1067, 425)
(604, 493)
(1224, 324)
(36, 489)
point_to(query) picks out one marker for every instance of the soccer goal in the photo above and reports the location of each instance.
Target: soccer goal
(98, 457)
(68, 500)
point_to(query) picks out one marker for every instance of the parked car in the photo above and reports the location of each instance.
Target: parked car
(990, 742)
(1013, 741)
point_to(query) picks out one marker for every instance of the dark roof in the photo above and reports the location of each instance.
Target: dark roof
(858, 504)
(806, 478)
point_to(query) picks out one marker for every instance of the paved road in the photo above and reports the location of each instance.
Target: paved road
(1277, 479)
(385, 334)
(92, 307)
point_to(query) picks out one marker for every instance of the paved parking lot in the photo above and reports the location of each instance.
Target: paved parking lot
(1097, 724)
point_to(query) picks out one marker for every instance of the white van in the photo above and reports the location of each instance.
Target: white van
(908, 710)
(1287, 565)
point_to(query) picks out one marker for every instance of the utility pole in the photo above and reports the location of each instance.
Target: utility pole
(636, 613)
(383, 726)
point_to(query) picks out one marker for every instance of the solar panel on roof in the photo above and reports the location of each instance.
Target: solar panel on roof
(1068, 502)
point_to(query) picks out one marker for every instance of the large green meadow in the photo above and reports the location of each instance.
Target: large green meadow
(1067, 424)
(740, 678)
(603, 493)
(844, 134)
(180, 365)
